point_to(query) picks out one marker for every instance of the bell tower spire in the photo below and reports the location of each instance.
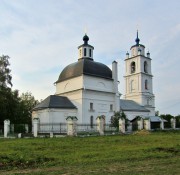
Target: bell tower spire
(137, 40)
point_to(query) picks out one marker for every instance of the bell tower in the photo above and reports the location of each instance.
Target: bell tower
(138, 77)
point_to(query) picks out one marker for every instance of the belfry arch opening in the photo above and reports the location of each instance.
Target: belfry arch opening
(133, 67)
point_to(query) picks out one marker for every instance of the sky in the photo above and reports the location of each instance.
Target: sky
(41, 37)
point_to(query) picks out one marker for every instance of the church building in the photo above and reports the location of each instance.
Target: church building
(88, 89)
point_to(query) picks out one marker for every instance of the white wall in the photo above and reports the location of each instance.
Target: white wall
(69, 85)
(101, 105)
(53, 115)
(84, 90)
(134, 50)
(101, 93)
(98, 84)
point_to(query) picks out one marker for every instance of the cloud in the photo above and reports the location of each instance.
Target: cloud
(42, 37)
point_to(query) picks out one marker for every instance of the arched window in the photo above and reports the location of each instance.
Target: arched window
(145, 67)
(84, 51)
(91, 121)
(133, 67)
(89, 52)
(146, 84)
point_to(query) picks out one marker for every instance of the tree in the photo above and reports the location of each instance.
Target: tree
(178, 121)
(8, 104)
(167, 117)
(27, 103)
(156, 113)
(5, 77)
(115, 119)
(12, 106)
(6, 96)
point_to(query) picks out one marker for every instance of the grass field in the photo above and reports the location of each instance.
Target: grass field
(142, 153)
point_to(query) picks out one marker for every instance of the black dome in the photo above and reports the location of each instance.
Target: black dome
(86, 67)
(85, 39)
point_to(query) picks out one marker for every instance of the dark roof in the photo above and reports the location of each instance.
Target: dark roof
(130, 105)
(85, 66)
(87, 45)
(154, 118)
(54, 101)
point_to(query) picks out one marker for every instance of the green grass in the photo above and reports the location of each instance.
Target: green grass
(155, 153)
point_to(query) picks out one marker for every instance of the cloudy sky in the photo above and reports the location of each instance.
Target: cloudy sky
(42, 37)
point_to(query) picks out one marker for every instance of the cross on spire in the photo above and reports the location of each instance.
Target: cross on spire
(137, 39)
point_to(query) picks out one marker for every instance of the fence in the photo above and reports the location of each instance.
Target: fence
(72, 128)
(108, 128)
(58, 128)
(20, 128)
(178, 124)
(82, 129)
(167, 125)
(134, 126)
(87, 129)
(23, 129)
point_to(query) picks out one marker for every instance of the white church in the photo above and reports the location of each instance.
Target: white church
(88, 89)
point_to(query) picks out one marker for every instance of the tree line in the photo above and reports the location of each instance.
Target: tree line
(13, 106)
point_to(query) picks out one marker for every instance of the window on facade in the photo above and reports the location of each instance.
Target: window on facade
(112, 119)
(132, 85)
(80, 53)
(146, 84)
(91, 121)
(111, 107)
(89, 52)
(145, 67)
(84, 51)
(91, 106)
(133, 67)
